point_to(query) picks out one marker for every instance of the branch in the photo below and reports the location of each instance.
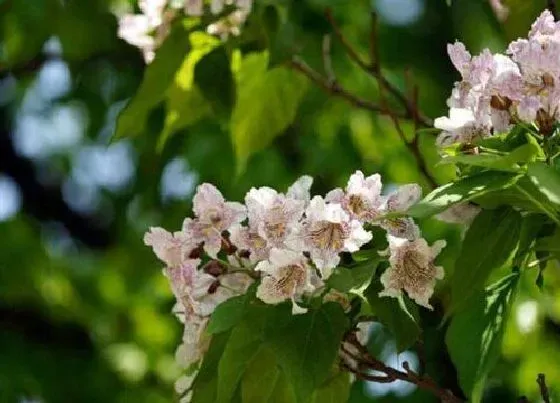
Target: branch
(365, 360)
(543, 388)
(374, 67)
(334, 88)
(330, 84)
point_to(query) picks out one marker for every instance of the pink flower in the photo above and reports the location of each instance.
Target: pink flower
(362, 199)
(213, 216)
(398, 202)
(172, 249)
(412, 269)
(326, 231)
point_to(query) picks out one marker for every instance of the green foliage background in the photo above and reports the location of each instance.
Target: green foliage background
(84, 309)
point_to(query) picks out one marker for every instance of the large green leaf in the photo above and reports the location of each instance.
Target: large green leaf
(159, 75)
(242, 346)
(267, 103)
(260, 378)
(186, 102)
(205, 384)
(490, 241)
(335, 390)
(214, 77)
(306, 346)
(399, 315)
(264, 382)
(475, 334)
(463, 190)
(547, 180)
(228, 314)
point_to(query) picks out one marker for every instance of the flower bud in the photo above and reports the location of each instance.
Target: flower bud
(214, 268)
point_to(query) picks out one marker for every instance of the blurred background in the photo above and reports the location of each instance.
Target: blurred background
(84, 308)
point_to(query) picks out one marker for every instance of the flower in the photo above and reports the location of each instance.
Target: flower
(398, 202)
(194, 344)
(137, 29)
(172, 249)
(326, 231)
(247, 240)
(362, 199)
(338, 297)
(300, 189)
(272, 214)
(412, 269)
(460, 126)
(286, 276)
(213, 216)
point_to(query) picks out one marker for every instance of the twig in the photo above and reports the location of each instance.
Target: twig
(327, 61)
(543, 388)
(334, 88)
(373, 68)
(364, 359)
(551, 5)
(331, 85)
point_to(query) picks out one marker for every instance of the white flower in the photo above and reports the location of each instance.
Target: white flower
(194, 7)
(300, 189)
(249, 240)
(460, 126)
(286, 276)
(184, 383)
(398, 202)
(172, 249)
(213, 216)
(195, 342)
(412, 269)
(137, 29)
(326, 231)
(362, 199)
(272, 214)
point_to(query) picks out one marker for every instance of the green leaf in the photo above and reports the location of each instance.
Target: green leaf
(242, 346)
(530, 227)
(260, 378)
(266, 105)
(306, 346)
(490, 241)
(158, 77)
(497, 162)
(475, 334)
(463, 190)
(550, 244)
(334, 390)
(547, 180)
(213, 76)
(399, 315)
(205, 384)
(346, 279)
(228, 314)
(186, 103)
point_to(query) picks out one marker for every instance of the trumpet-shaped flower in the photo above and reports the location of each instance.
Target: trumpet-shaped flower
(326, 231)
(287, 276)
(213, 216)
(362, 199)
(412, 269)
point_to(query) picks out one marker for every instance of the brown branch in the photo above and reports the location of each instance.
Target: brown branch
(331, 85)
(541, 380)
(374, 68)
(365, 360)
(334, 88)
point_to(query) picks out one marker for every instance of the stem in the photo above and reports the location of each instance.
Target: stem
(365, 360)
(541, 380)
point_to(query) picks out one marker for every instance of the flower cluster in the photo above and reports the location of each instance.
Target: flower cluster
(289, 243)
(148, 29)
(497, 90)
